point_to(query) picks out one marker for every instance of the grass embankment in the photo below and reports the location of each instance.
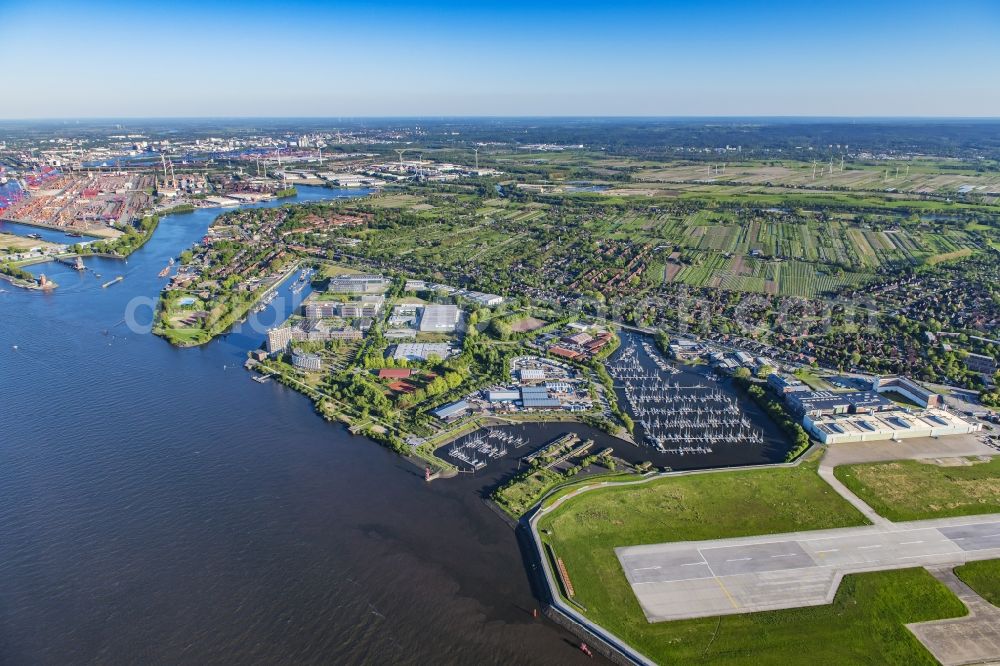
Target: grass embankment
(521, 493)
(913, 490)
(612, 477)
(525, 490)
(983, 577)
(181, 208)
(864, 625)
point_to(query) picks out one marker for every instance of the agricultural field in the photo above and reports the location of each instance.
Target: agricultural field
(802, 243)
(787, 252)
(914, 176)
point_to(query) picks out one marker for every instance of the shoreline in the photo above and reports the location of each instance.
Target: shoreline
(425, 454)
(30, 286)
(54, 227)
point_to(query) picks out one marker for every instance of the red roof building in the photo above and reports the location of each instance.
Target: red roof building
(563, 352)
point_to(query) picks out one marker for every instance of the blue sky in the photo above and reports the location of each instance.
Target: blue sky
(297, 58)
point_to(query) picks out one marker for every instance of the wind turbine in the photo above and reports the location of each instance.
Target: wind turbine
(476, 150)
(400, 156)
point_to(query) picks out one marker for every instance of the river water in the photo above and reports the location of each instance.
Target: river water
(158, 506)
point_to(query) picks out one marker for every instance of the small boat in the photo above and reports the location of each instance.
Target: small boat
(74, 234)
(35, 236)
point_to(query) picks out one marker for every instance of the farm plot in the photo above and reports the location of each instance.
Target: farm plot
(797, 279)
(722, 238)
(701, 274)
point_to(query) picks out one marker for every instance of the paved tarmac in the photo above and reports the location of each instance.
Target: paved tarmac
(973, 639)
(916, 448)
(680, 580)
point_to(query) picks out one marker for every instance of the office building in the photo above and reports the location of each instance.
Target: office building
(307, 361)
(278, 339)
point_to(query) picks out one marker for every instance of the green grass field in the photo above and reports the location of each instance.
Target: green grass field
(983, 577)
(517, 498)
(912, 490)
(585, 530)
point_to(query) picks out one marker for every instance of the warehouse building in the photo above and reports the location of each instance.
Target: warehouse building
(421, 351)
(439, 318)
(908, 389)
(537, 397)
(823, 403)
(451, 411)
(503, 395)
(895, 424)
(531, 374)
(488, 300)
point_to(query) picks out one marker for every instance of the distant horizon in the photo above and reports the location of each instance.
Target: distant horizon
(446, 58)
(844, 118)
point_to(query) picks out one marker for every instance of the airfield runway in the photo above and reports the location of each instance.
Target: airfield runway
(708, 578)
